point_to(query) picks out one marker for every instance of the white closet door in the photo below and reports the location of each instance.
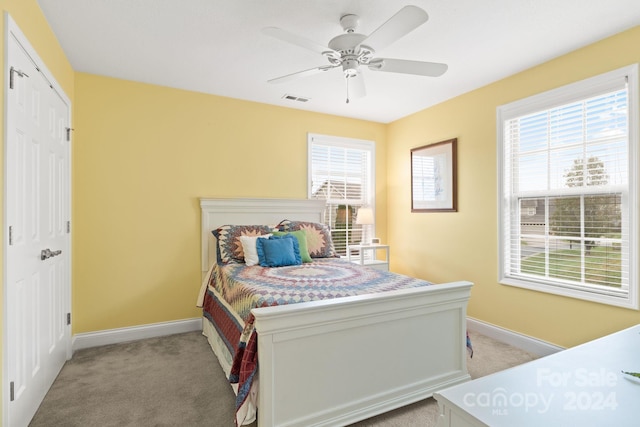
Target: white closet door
(37, 286)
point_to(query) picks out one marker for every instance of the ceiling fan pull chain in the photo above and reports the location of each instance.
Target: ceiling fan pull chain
(347, 79)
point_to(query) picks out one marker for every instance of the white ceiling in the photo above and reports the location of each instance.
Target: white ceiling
(216, 46)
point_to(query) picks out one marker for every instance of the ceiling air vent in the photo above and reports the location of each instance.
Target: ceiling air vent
(295, 98)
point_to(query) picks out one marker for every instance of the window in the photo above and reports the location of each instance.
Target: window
(568, 183)
(341, 171)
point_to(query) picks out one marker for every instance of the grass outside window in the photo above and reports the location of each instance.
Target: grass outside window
(602, 266)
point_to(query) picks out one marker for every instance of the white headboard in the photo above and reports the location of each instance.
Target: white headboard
(217, 212)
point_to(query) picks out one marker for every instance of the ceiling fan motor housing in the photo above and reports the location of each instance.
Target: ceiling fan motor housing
(351, 52)
(346, 43)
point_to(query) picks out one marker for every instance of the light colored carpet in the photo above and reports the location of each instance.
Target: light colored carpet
(176, 381)
(168, 381)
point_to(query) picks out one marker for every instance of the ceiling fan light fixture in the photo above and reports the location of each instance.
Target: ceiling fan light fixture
(350, 67)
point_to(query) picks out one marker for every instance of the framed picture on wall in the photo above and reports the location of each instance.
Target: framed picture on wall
(433, 177)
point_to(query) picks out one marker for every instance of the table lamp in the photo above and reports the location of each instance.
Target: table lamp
(365, 217)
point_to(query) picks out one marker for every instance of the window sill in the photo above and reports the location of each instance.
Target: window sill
(618, 299)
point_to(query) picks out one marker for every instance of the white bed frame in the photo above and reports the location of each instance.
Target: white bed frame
(335, 362)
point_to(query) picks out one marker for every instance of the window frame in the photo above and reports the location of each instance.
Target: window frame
(564, 95)
(368, 200)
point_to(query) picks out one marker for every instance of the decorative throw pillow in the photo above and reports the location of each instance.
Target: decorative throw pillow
(229, 245)
(249, 248)
(301, 235)
(278, 251)
(319, 240)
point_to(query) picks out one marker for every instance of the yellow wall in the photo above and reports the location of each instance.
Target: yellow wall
(28, 16)
(463, 245)
(142, 157)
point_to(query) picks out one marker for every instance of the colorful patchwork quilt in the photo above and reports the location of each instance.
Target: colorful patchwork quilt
(245, 288)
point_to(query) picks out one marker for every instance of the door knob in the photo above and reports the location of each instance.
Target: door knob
(45, 253)
(48, 253)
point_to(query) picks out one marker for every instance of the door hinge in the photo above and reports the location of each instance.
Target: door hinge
(13, 71)
(10, 235)
(68, 227)
(11, 393)
(68, 318)
(69, 133)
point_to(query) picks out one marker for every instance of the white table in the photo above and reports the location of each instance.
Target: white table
(582, 386)
(371, 261)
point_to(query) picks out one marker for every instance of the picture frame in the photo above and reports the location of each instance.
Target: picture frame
(434, 177)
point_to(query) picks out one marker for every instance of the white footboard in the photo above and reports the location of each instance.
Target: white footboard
(334, 362)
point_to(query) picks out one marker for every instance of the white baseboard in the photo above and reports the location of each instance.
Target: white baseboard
(120, 335)
(115, 336)
(524, 342)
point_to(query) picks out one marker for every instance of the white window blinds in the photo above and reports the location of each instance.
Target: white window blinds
(341, 172)
(567, 219)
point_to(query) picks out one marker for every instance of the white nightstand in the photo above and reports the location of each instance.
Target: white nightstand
(372, 262)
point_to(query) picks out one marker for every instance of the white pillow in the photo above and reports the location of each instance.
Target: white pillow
(249, 248)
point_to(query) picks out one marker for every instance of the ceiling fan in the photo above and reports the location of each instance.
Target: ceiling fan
(351, 50)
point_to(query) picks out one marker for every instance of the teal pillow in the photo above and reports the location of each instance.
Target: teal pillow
(278, 251)
(301, 235)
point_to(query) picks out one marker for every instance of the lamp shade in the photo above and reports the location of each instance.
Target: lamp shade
(365, 216)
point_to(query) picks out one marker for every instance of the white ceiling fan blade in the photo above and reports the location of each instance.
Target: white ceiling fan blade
(297, 40)
(429, 69)
(402, 23)
(355, 87)
(303, 73)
